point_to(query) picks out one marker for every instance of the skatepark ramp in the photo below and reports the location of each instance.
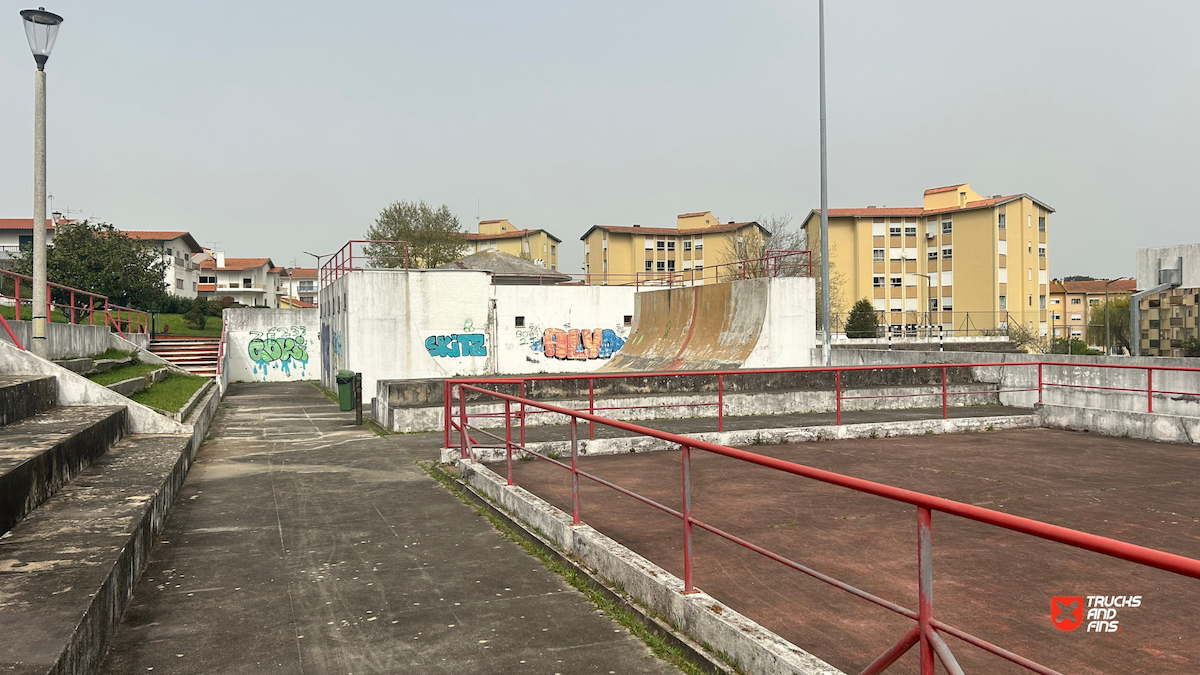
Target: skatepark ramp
(767, 322)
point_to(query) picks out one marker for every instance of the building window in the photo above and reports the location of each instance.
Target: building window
(1057, 317)
(947, 226)
(947, 304)
(670, 265)
(1041, 302)
(933, 254)
(179, 283)
(1055, 301)
(1041, 250)
(1031, 300)
(649, 243)
(897, 282)
(1094, 302)
(687, 245)
(520, 322)
(699, 243)
(1076, 301)
(553, 250)
(247, 283)
(628, 319)
(649, 265)
(877, 281)
(662, 244)
(1004, 302)
(1041, 223)
(933, 303)
(168, 253)
(1077, 317)
(1001, 222)
(910, 230)
(662, 266)
(947, 253)
(877, 255)
(671, 245)
(894, 230)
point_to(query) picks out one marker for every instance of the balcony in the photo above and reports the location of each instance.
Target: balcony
(241, 287)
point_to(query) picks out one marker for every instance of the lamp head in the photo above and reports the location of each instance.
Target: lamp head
(41, 29)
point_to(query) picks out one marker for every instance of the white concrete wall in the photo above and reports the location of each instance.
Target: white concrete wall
(788, 334)
(71, 341)
(1148, 261)
(558, 308)
(272, 345)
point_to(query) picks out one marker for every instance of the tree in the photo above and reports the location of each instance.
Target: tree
(1117, 313)
(99, 258)
(434, 237)
(1191, 347)
(863, 322)
(753, 245)
(1078, 277)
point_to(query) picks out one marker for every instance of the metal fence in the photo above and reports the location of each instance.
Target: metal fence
(69, 301)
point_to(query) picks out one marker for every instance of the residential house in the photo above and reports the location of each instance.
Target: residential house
(1072, 304)
(618, 254)
(178, 249)
(254, 282)
(904, 259)
(300, 283)
(539, 246)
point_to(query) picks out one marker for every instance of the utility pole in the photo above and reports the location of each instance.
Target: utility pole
(825, 318)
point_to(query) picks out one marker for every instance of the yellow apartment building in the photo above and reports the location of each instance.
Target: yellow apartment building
(961, 261)
(616, 254)
(1169, 319)
(1072, 302)
(501, 235)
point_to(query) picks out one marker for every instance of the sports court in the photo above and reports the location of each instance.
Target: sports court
(990, 582)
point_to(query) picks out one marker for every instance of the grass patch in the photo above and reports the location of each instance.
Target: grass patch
(56, 315)
(172, 393)
(124, 373)
(658, 645)
(178, 326)
(112, 353)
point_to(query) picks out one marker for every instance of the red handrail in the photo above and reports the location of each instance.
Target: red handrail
(926, 632)
(137, 320)
(774, 264)
(342, 261)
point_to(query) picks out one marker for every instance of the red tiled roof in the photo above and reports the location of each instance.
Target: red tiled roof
(876, 212)
(275, 270)
(302, 272)
(471, 236)
(25, 223)
(919, 211)
(1093, 287)
(206, 287)
(165, 235)
(711, 229)
(236, 263)
(489, 222)
(692, 215)
(948, 188)
(297, 303)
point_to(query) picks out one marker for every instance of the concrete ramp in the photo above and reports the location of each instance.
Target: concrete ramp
(751, 323)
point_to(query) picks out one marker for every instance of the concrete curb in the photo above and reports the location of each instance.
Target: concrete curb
(133, 385)
(633, 444)
(699, 656)
(1121, 423)
(699, 616)
(188, 407)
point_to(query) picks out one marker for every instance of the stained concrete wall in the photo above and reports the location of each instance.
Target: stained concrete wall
(1150, 259)
(65, 340)
(550, 314)
(788, 335)
(272, 345)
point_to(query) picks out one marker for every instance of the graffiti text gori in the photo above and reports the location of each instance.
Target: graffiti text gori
(280, 347)
(457, 344)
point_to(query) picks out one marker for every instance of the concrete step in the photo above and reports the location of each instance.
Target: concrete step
(68, 570)
(23, 396)
(40, 454)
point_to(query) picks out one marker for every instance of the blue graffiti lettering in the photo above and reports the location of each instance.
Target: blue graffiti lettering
(456, 345)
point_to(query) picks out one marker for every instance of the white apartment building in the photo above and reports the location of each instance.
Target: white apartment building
(178, 249)
(254, 282)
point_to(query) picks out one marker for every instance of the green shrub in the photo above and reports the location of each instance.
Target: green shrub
(863, 322)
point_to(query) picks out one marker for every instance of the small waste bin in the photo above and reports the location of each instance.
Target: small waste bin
(345, 386)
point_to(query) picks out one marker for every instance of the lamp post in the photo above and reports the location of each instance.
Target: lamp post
(41, 29)
(1107, 342)
(826, 347)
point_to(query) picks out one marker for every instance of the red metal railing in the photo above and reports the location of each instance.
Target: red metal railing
(112, 315)
(927, 630)
(359, 254)
(719, 376)
(774, 264)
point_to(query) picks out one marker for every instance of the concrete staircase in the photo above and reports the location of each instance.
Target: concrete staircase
(81, 504)
(197, 355)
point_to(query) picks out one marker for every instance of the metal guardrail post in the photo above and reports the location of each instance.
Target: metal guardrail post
(446, 412)
(574, 472)
(944, 412)
(720, 402)
(591, 406)
(1149, 390)
(358, 420)
(462, 422)
(688, 586)
(837, 388)
(508, 438)
(1039, 383)
(925, 586)
(522, 413)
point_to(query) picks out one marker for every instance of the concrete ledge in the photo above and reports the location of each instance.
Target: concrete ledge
(186, 411)
(135, 384)
(105, 365)
(633, 444)
(701, 617)
(1150, 426)
(80, 365)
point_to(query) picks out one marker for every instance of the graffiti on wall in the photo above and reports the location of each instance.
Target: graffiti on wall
(579, 343)
(456, 344)
(283, 348)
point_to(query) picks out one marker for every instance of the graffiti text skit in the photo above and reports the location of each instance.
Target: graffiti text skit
(597, 343)
(281, 347)
(458, 344)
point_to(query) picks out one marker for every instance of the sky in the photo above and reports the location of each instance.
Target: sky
(275, 128)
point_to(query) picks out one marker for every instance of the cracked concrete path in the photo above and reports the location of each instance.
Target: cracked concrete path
(303, 544)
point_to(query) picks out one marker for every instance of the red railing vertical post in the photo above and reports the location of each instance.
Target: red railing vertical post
(837, 391)
(574, 472)
(17, 292)
(508, 438)
(71, 319)
(462, 421)
(522, 413)
(49, 305)
(446, 412)
(720, 402)
(91, 310)
(945, 414)
(1039, 383)
(1150, 390)
(591, 406)
(925, 586)
(688, 586)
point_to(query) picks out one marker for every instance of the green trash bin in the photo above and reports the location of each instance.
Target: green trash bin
(345, 386)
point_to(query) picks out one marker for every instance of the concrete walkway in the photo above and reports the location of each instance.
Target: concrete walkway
(303, 544)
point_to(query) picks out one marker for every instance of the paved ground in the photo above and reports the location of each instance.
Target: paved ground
(995, 584)
(303, 544)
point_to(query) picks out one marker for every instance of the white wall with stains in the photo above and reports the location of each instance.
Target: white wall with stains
(560, 329)
(272, 345)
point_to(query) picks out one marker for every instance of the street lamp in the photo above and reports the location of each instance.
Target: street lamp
(1107, 342)
(41, 29)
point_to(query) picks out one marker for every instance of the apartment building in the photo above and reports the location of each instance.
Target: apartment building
(616, 254)
(959, 261)
(178, 250)
(253, 282)
(500, 235)
(300, 283)
(1072, 304)
(1169, 319)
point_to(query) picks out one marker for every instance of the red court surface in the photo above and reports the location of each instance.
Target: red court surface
(989, 582)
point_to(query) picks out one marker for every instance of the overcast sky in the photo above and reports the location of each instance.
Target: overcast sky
(270, 129)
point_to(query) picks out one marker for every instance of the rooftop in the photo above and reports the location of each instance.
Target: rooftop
(473, 236)
(166, 235)
(1094, 286)
(638, 229)
(237, 263)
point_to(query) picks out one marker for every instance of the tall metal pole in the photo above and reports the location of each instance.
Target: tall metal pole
(38, 300)
(825, 346)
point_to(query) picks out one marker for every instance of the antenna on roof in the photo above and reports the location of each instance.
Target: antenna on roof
(477, 210)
